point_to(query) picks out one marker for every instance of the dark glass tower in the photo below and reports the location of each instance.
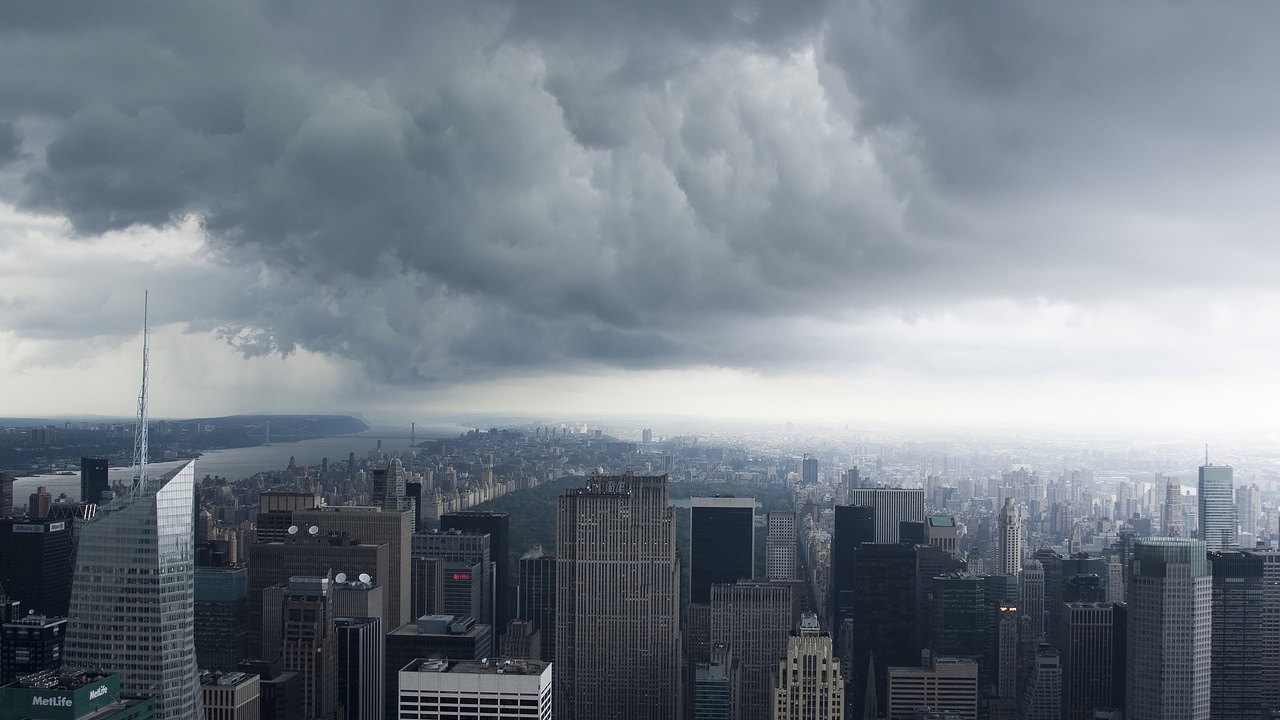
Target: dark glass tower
(29, 645)
(361, 672)
(1235, 684)
(497, 526)
(880, 627)
(36, 564)
(93, 479)
(854, 525)
(722, 543)
(538, 597)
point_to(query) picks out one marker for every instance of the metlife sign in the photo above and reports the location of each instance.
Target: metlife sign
(20, 702)
(54, 701)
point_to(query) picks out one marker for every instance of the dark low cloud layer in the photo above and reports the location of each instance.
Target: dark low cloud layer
(450, 190)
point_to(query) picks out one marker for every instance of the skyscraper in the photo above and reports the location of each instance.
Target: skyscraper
(1270, 627)
(1249, 508)
(29, 645)
(807, 681)
(1042, 700)
(361, 674)
(754, 620)
(1169, 622)
(809, 471)
(111, 618)
(375, 526)
(780, 546)
(308, 641)
(1009, 555)
(880, 618)
(721, 543)
(1216, 499)
(497, 526)
(892, 506)
(36, 564)
(1086, 658)
(538, 597)
(618, 594)
(1235, 686)
(853, 526)
(467, 579)
(221, 617)
(1031, 595)
(1171, 521)
(949, 685)
(93, 479)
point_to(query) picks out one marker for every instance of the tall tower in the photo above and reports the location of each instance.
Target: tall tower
(780, 546)
(497, 526)
(149, 598)
(618, 595)
(1216, 497)
(1009, 561)
(93, 479)
(1031, 595)
(808, 684)
(1168, 627)
(892, 506)
(754, 619)
(1171, 523)
(721, 543)
(538, 597)
(1235, 686)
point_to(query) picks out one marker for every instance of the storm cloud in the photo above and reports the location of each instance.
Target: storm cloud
(443, 191)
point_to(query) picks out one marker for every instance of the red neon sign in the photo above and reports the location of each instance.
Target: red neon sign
(462, 576)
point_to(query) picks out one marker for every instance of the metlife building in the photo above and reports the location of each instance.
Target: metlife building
(71, 695)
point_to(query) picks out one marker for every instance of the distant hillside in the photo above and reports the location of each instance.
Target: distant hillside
(287, 427)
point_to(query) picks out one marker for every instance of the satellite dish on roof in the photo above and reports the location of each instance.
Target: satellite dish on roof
(314, 530)
(293, 529)
(364, 578)
(340, 578)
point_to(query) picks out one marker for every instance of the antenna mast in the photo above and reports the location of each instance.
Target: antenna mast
(140, 437)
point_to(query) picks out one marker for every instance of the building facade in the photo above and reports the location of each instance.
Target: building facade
(110, 619)
(499, 689)
(754, 620)
(780, 545)
(721, 543)
(1236, 648)
(892, 506)
(807, 681)
(497, 526)
(618, 594)
(1215, 497)
(949, 685)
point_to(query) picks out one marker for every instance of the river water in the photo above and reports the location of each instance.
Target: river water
(238, 463)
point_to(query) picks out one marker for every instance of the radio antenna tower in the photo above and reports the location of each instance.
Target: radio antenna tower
(140, 437)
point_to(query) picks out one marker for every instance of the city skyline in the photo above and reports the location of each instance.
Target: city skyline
(838, 212)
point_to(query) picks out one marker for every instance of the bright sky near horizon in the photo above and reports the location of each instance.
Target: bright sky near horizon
(946, 214)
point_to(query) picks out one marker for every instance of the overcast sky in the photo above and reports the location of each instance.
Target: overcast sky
(1050, 214)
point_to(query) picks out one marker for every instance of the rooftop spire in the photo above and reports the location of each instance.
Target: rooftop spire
(140, 436)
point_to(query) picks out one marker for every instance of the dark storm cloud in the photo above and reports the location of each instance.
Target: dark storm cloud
(444, 190)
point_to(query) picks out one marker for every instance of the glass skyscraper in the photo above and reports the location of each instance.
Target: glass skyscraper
(133, 594)
(1216, 492)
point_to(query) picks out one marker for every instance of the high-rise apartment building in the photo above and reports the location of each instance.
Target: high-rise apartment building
(780, 545)
(940, 531)
(94, 479)
(1172, 523)
(147, 600)
(38, 504)
(807, 680)
(497, 526)
(892, 506)
(1215, 495)
(721, 543)
(1169, 626)
(389, 487)
(1235, 685)
(754, 620)
(538, 597)
(618, 594)
(1009, 550)
(949, 685)
(1249, 508)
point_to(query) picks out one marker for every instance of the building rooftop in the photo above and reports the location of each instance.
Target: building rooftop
(222, 679)
(489, 666)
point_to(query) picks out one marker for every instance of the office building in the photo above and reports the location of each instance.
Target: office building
(721, 543)
(389, 487)
(809, 471)
(618, 595)
(466, 567)
(1169, 628)
(1042, 699)
(73, 694)
(880, 627)
(1009, 547)
(808, 684)
(961, 621)
(780, 545)
(361, 673)
(1172, 523)
(940, 531)
(1005, 653)
(715, 683)
(36, 564)
(110, 618)
(375, 526)
(1085, 658)
(275, 513)
(221, 617)
(308, 554)
(1215, 497)
(1031, 595)
(231, 696)
(853, 526)
(497, 526)
(434, 689)
(357, 598)
(1249, 508)
(947, 685)
(280, 690)
(538, 597)
(891, 506)
(307, 640)
(1235, 680)
(29, 645)
(754, 620)
(1270, 627)
(6, 494)
(38, 504)
(94, 479)
(521, 641)
(434, 636)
